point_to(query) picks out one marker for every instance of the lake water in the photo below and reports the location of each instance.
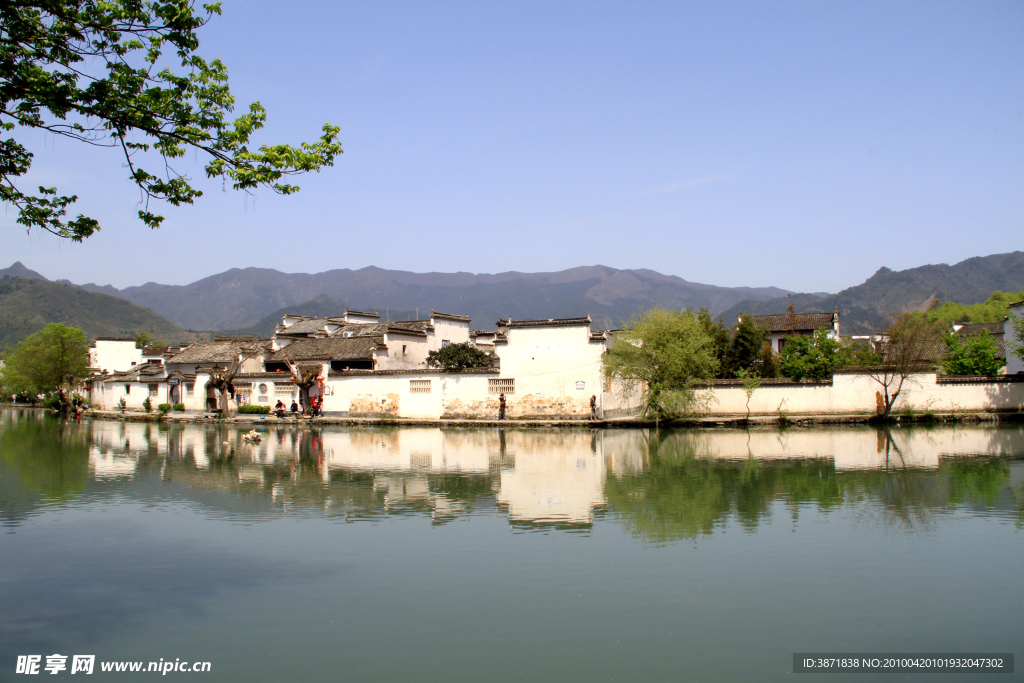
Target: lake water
(518, 554)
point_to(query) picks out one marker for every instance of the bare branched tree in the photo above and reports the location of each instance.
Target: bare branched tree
(223, 379)
(909, 346)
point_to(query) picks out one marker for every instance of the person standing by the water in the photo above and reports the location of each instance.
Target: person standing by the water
(501, 406)
(593, 407)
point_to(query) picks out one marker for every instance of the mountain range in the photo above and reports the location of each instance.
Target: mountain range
(29, 302)
(870, 305)
(240, 297)
(254, 299)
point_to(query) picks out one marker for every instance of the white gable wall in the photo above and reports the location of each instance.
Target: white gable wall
(556, 370)
(114, 355)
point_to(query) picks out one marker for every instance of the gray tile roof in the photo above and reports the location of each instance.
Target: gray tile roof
(144, 372)
(798, 322)
(414, 327)
(550, 322)
(449, 316)
(304, 327)
(969, 329)
(223, 350)
(349, 311)
(329, 348)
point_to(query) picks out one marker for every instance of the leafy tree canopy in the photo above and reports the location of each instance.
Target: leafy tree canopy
(991, 310)
(818, 356)
(1015, 344)
(811, 357)
(746, 347)
(668, 354)
(125, 74)
(972, 355)
(51, 360)
(458, 357)
(720, 336)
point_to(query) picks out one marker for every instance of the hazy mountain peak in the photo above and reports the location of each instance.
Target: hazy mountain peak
(18, 269)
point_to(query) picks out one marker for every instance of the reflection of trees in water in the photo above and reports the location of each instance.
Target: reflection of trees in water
(49, 456)
(683, 492)
(669, 484)
(298, 479)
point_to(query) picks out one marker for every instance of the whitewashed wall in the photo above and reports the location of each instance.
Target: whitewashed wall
(849, 393)
(454, 331)
(114, 355)
(405, 352)
(451, 395)
(556, 370)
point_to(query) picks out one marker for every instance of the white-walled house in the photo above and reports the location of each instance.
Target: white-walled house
(778, 327)
(546, 368)
(549, 367)
(178, 377)
(1014, 364)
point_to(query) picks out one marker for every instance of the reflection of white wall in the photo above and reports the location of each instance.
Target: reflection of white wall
(414, 449)
(539, 475)
(561, 486)
(136, 438)
(847, 447)
(110, 465)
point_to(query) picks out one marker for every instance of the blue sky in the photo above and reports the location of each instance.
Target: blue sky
(795, 144)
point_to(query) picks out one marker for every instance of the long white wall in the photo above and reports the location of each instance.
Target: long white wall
(849, 393)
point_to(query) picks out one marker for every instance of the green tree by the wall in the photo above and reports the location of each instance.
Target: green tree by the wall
(458, 357)
(811, 357)
(745, 347)
(50, 361)
(971, 355)
(667, 355)
(1015, 343)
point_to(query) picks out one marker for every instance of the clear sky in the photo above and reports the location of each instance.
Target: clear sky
(796, 144)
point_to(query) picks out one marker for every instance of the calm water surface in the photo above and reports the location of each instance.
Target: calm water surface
(459, 554)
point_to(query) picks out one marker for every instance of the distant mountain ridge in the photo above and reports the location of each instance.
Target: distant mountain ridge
(253, 299)
(867, 306)
(320, 307)
(239, 298)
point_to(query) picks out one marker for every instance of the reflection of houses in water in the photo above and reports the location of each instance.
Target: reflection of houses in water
(117, 446)
(538, 477)
(558, 478)
(108, 465)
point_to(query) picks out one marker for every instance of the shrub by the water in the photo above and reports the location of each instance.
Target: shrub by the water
(258, 410)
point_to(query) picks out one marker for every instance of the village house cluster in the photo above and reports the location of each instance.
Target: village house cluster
(365, 367)
(546, 369)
